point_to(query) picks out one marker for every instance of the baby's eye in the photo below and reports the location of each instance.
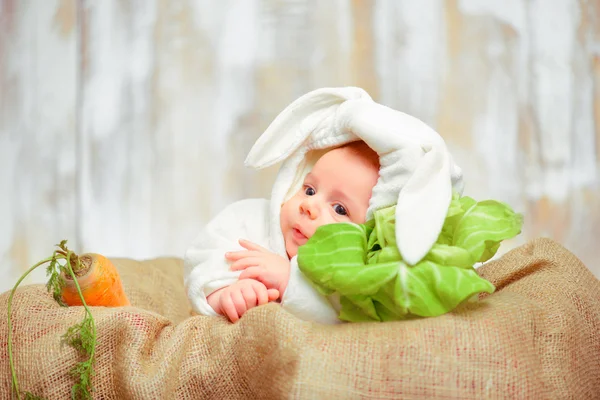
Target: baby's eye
(340, 209)
(309, 191)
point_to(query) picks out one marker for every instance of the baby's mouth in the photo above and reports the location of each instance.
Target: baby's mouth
(298, 235)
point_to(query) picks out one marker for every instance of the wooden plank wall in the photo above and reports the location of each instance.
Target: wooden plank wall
(124, 124)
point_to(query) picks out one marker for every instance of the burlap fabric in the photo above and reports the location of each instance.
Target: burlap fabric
(536, 337)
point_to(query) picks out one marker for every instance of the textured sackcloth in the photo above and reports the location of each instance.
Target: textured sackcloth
(536, 337)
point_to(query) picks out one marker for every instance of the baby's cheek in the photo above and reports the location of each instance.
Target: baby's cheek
(334, 218)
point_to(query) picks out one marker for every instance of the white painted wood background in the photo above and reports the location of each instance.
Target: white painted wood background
(124, 124)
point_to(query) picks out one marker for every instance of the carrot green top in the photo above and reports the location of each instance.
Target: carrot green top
(362, 264)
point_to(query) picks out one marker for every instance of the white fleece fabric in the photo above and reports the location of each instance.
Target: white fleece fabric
(416, 173)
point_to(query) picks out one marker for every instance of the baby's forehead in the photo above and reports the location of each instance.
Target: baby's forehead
(346, 169)
(353, 154)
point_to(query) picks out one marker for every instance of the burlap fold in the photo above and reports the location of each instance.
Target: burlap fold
(535, 337)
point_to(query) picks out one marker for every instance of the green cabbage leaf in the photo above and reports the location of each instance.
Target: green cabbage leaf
(362, 264)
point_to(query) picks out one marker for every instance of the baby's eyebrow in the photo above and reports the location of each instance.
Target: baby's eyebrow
(310, 176)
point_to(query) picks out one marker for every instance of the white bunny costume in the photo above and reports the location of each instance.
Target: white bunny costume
(416, 173)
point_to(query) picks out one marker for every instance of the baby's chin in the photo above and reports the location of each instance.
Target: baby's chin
(291, 250)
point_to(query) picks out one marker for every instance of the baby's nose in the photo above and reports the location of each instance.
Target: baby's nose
(308, 207)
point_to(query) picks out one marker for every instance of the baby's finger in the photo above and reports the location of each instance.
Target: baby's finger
(228, 308)
(245, 263)
(249, 296)
(252, 273)
(262, 296)
(252, 246)
(239, 302)
(273, 294)
(237, 255)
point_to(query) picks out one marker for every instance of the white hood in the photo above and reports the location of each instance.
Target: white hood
(417, 172)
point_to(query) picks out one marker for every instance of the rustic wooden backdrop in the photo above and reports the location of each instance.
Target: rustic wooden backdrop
(124, 124)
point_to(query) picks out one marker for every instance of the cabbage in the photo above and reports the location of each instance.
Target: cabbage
(362, 264)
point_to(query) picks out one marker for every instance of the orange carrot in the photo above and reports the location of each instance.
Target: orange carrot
(87, 280)
(99, 281)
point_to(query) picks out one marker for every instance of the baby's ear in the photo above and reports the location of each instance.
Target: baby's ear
(293, 126)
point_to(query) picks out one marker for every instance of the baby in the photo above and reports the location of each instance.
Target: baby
(336, 190)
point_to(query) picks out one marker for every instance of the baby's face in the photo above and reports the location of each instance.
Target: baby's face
(337, 189)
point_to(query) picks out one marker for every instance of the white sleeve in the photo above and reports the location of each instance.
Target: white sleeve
(206, 269)
(304, 301)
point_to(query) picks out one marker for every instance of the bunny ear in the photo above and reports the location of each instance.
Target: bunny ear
(423, 205)
(297, 122)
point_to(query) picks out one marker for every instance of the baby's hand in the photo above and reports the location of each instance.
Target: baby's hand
(234, 300)
(261, 264)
